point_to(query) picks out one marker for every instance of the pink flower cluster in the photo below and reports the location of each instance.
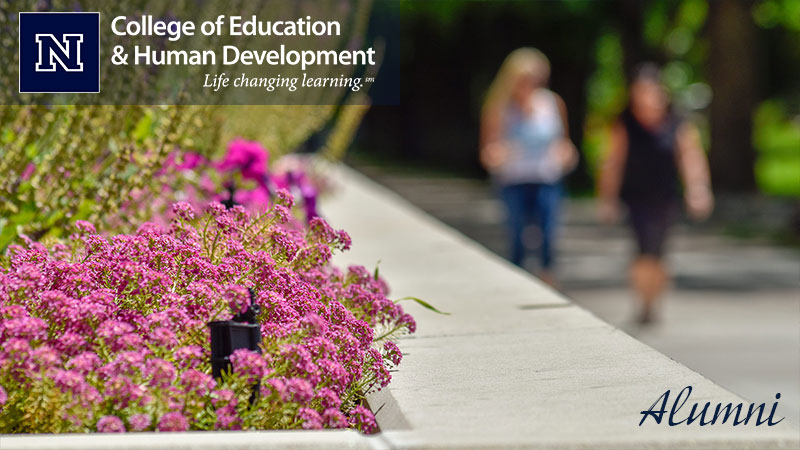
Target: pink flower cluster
(109, 334)
(245, 174)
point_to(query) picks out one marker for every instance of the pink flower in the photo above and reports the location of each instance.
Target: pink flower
(124, 392)
(314, 324)
(163, 337)
(227, 419)
(113, 329)
(127, 363)
(321, 230)
(392, 352)
(328, 398)
(215, 209)
(249, 364)
(196, 381)
(173, 421)
(311, 418)
(190, 356)
(299, 390)
(363, 419)
(249, 157)
(284, 198)
(238, 298)
(160, 372)
(344, 240)
(69, 381)
(189, 160)
(223, 397)
(44, 357)
(28, 328)
(277, 387)
(183, 210)
(70, 343)
(409, 322)
(110, 424)
(334, 418)
(282, 214)
(139, 422)
(85, 227)
(108, 321)
(29, 170)
(256, 199)
(84, 363)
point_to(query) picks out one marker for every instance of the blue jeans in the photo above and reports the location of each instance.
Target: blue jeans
(537, 203)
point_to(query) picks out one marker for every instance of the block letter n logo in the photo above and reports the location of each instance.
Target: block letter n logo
(66, 53)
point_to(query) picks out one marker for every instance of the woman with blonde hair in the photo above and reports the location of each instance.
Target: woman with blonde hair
(526, 149)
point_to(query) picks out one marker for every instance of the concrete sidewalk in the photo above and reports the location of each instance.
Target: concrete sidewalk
(733, 313)
(516, 365)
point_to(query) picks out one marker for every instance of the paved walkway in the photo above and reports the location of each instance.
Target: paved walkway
(733, 313)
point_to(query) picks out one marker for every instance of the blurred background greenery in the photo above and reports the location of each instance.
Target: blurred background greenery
(61, 162)
(732, 67)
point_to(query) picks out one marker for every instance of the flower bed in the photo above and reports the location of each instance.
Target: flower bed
(110, 334)
(242, 177)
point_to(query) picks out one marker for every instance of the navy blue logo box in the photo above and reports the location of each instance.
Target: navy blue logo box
(59, 52)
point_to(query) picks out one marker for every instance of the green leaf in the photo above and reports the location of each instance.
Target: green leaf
(375, 275)
(424, 304)
(8, 135)
(144, 128)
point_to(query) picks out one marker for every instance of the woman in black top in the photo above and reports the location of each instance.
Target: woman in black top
(651, 150)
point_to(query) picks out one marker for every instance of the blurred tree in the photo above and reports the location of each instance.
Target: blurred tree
(629, 21)
(733, 77)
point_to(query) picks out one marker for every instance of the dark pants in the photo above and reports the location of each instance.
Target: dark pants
(537, 203)
(651, 222)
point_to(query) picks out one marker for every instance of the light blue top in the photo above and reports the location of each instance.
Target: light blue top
(530, 137)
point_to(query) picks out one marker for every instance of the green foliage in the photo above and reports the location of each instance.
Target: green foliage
(606, 96)
(773, 13)
(674, 29)
(777, 139)
(62, 162)
(424, 304)
(66, 163)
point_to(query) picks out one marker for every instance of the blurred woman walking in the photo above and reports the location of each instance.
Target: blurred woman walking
(526, 149)
(650, 150)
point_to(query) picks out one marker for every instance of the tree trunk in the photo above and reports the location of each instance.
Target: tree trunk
(734, 84)
(630, 16)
